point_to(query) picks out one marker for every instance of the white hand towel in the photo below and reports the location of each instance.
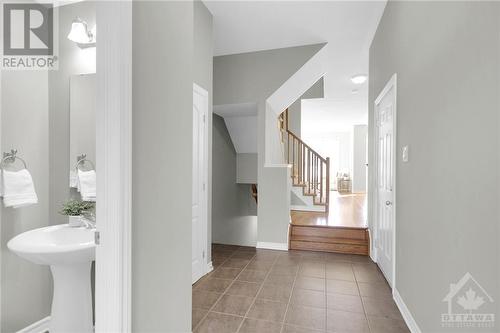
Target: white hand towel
(87, 185)
(18, 189)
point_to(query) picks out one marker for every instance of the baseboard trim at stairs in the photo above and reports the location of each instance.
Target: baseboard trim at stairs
(272, 246)
(209, 268)
(314, 208)
(410, 321)
(371, 247)
(40, 326)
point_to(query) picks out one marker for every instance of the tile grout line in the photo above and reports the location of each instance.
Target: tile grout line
(257, 294)
(361, 298)
(326, 300)
(290, 298)
(224, 293)
(275, 262)
(205, 316)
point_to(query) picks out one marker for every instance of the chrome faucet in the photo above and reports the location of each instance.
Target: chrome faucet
(88, 223)
(88, 220)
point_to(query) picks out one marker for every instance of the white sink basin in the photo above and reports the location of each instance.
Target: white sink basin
(55, 245)
(69, 251)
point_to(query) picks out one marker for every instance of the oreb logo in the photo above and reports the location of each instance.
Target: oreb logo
(469, 305)
(28, 36)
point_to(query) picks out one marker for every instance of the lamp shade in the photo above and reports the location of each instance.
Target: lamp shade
(79, 33)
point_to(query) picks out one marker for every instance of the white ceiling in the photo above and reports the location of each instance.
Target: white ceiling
(322, 116)
(247, 26)
(347, 26)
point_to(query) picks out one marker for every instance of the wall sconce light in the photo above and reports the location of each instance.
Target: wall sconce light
(81, 34)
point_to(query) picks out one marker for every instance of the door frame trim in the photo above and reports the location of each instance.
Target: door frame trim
(207, 266)
(391, 84)
(113, 302)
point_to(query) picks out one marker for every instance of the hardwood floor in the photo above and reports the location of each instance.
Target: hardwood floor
(343, 230)
(346, 210)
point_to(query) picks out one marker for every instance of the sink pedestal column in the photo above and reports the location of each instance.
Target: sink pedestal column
(72, 300)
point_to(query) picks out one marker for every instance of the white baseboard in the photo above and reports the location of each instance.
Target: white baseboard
(272, 246)
(410, 321)
(373, 250)
(304, 208)
(209, 268)
(40, 326)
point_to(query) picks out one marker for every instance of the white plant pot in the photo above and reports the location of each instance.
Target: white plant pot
(75, 221)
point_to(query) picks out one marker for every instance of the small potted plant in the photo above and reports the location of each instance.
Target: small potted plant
(75, 210)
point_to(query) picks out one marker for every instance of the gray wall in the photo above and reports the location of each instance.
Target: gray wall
(26, 288)
(446, 55)
(295, 110)
(161, 163)
(246, 168)
(234, 214)
(203, 76)
(359, 147)
(252, 78)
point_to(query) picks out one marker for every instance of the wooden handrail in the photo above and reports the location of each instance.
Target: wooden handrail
(309, 169)
(306, 145)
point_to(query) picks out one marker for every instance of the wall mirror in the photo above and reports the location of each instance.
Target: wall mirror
(82, 118)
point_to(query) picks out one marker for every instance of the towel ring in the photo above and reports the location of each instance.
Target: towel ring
(11, 158)
(80, 160)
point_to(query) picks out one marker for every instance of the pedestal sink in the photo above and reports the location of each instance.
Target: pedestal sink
(69, 252)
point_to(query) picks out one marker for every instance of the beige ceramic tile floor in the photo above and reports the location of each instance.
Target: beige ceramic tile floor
(262, 291)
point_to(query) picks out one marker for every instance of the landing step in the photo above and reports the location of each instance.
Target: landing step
(330, 247)
(330, 239)
(330, 232)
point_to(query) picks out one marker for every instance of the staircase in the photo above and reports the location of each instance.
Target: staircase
(311, 179)
(310, 171)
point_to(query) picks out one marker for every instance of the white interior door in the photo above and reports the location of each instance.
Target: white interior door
(200, 173)
(385, 113)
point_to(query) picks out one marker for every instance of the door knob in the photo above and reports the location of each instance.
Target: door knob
(388, 203)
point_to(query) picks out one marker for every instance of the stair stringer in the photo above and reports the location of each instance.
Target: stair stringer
(275, 211)
(283, 97)
(300, 201)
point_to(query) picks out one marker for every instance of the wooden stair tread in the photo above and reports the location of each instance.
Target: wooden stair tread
(330, 247)
(329, 240)
(332, 232)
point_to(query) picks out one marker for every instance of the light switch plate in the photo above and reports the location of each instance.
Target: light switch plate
(406, 154)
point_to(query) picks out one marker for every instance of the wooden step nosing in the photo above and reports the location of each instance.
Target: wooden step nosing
(329, 227)
(336, 248)
(334, 233)
(329, 240)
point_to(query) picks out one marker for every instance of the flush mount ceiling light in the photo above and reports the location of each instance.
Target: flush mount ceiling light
(359, 78)
(80, 33)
